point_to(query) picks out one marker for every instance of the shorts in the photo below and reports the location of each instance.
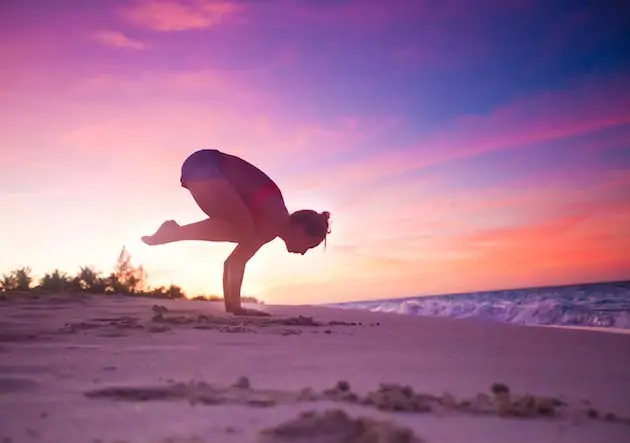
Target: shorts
(202, 165)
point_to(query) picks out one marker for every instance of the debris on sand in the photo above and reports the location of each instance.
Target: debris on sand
(198, 392)
(341, 392)
(242, 383)
(336, 426)
(300, 320)
(161, 319)
(343, 323)
(388, 397)
(171, 392)
(118, 323)
(592, 413)
(500, 388)
(394, 397)
(307, 395)
(526, 405)
(159, 309)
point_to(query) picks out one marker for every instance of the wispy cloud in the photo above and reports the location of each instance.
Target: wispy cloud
(542, 118)
(179, 15)
(150, 81)
(117, 40)
(575, 247)
(586, 236)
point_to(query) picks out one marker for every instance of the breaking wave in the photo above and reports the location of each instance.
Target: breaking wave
(595, 305)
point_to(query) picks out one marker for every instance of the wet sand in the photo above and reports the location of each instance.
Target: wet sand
(120, 369)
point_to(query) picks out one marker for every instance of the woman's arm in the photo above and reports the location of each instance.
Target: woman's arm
(233, 272)
(274, 214)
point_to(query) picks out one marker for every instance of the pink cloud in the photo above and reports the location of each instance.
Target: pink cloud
(586, 237)
(117, 40)
(550, 116)
(554, 230)
(567, 247)
(544, 117)
(232, 86)
(179, 15)
(274, 142)
(490, 238)
(417, 215)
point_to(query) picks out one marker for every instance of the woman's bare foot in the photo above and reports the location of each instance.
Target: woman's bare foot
(245, 312)
(165, 234)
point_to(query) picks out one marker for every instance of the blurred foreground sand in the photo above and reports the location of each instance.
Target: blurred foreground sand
(79, 368)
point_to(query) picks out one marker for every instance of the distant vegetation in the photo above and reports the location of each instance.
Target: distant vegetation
(125, 279)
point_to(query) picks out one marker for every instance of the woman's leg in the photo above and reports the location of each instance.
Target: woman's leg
(229, 218)
(211, 229)
(218, 199)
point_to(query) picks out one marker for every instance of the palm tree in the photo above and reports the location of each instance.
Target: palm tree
(89, 280)
(159, 292)
(58, 281)
(16, 280)
(8, 283)
(113, 285)
(126, 278)
(23, 278)
(175, 292)
(172, 292)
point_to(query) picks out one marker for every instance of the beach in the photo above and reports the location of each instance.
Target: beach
(79, 368)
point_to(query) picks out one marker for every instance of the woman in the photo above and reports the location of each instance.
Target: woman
(245, 207)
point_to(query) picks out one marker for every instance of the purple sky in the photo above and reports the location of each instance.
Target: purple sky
(460, 145)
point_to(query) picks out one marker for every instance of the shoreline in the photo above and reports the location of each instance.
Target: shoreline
(263, 306)
(588, 328)
(612, 330)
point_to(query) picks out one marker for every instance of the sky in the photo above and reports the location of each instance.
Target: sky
(460, 145)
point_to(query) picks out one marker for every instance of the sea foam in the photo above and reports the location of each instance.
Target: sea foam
(600, 305)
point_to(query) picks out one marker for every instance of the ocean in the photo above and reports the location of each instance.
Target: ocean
(604, 305)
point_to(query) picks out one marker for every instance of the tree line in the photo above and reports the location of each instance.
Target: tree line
(125, 279)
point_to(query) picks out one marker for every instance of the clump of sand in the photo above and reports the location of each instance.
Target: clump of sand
(242, 383)
(391, 397)
(341, 392)
(159, 309)
(163, 320)
(394, 397)
(336, 426)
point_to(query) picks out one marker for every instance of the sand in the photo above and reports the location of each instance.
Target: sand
(119, 369)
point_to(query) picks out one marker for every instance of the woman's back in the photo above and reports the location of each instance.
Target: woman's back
(246, 178)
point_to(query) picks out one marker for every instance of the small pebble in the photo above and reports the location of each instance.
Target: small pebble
(499, 388)
(610, 416)
(592, 413)
(242, 383)
(343, 385)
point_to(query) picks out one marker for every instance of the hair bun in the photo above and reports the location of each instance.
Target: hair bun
(325, 215)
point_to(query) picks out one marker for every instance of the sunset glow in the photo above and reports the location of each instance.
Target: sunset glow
(459, 145)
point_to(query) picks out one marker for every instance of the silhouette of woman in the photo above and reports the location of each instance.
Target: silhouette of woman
(245, 207)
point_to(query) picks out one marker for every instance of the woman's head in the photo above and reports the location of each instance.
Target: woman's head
(307, 230)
